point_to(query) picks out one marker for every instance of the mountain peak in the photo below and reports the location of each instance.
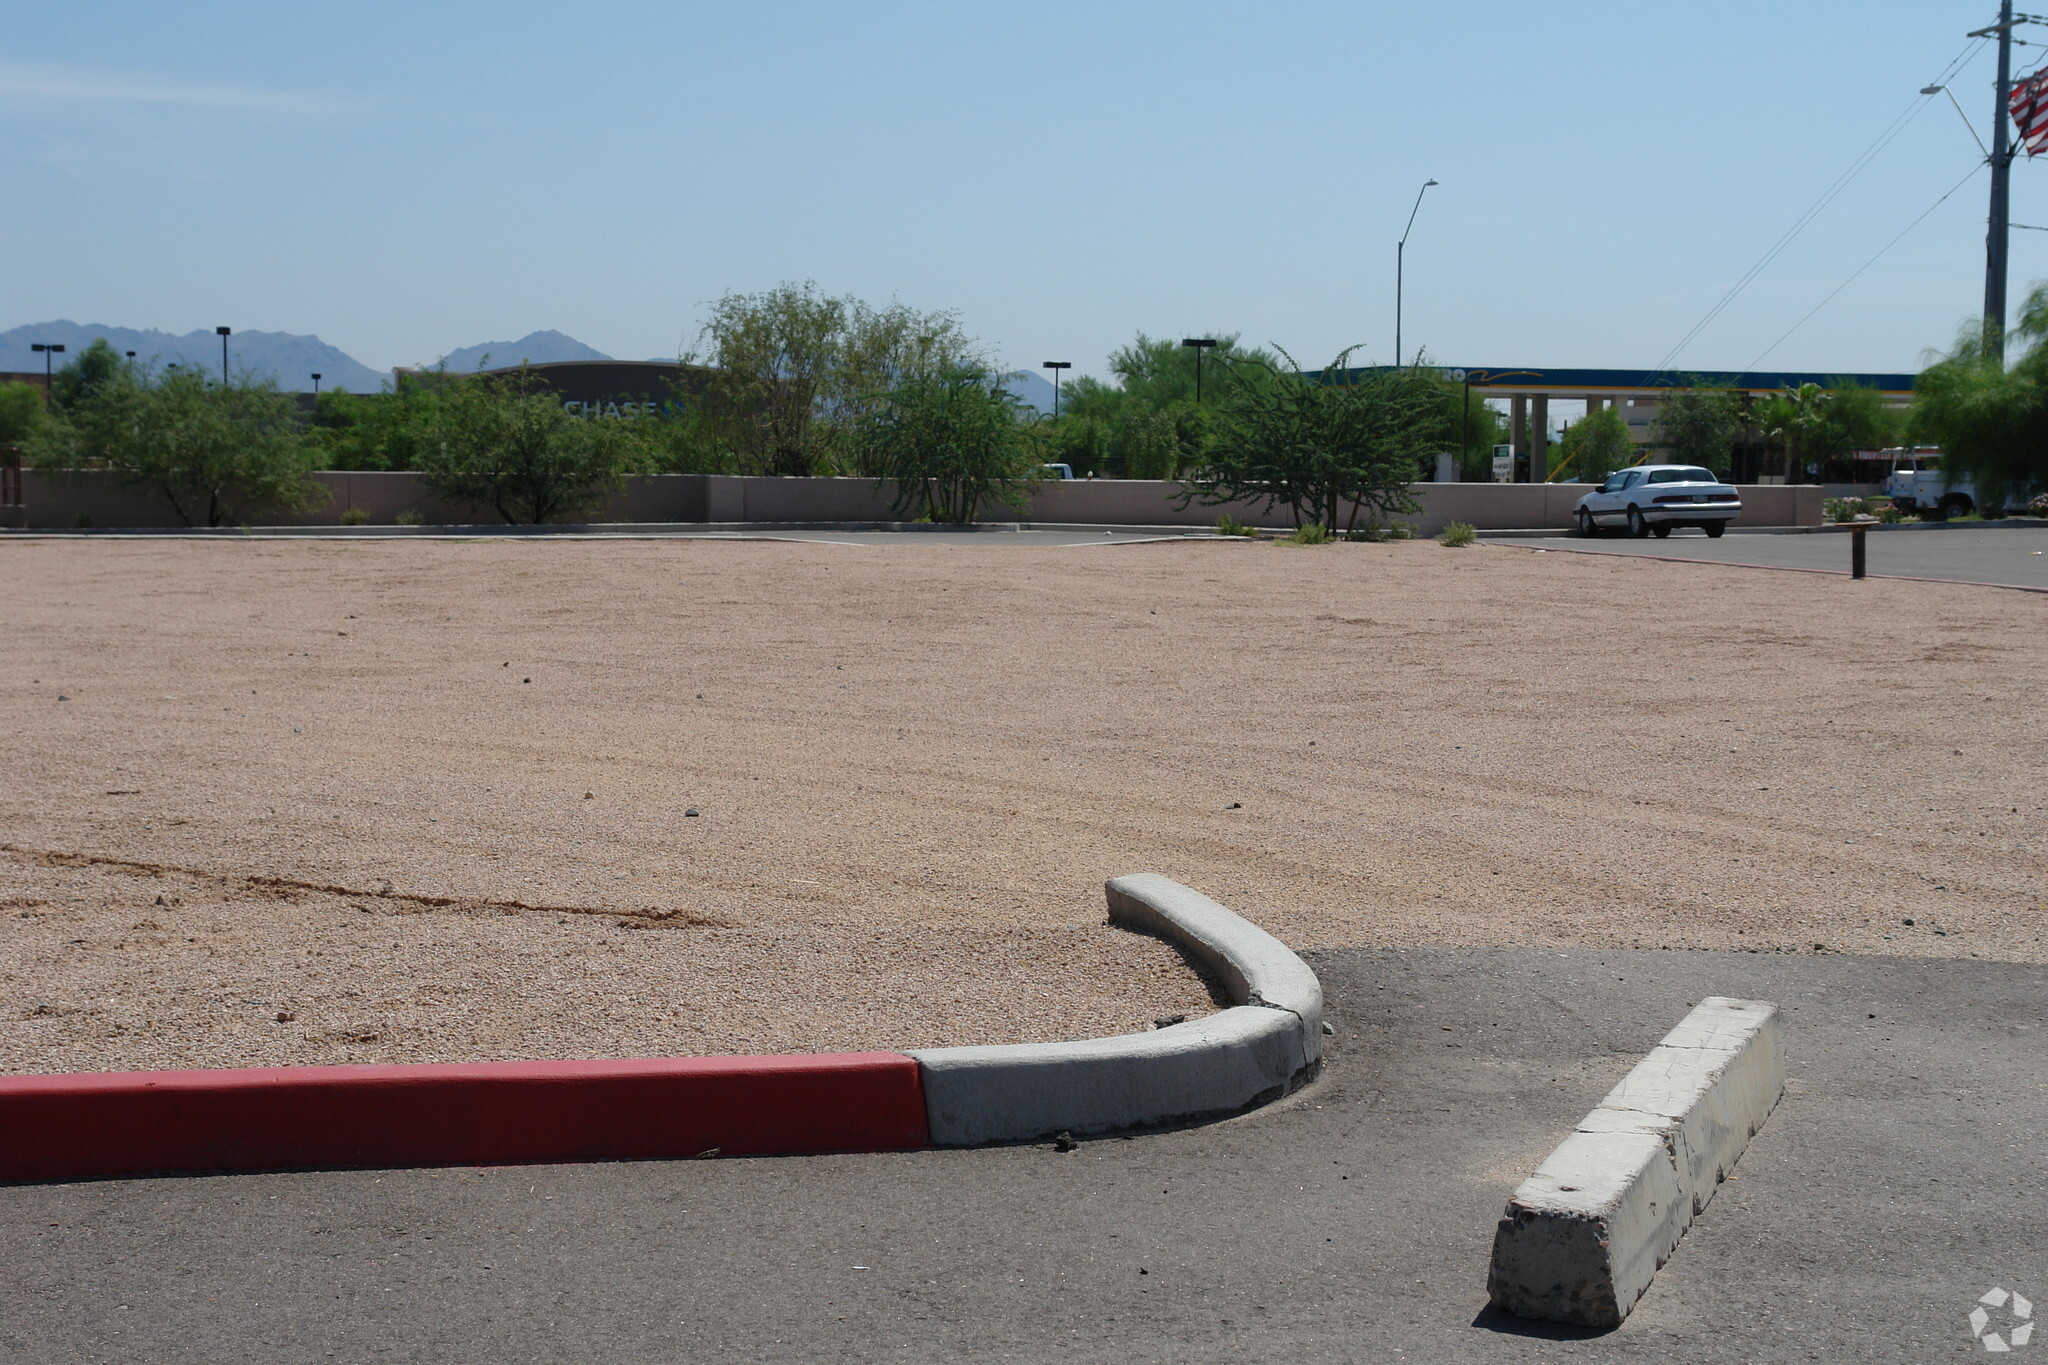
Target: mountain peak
(535, 348)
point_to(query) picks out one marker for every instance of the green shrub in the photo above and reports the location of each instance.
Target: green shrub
(411, 516)
(1845, 509)
(1890, 515)
(2038, 507)
(1310, 533)
(354, 516)
(1459, 534)
(1227, 525)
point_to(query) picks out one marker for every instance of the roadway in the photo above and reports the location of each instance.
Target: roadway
(2015, 556)
(1899, 1179)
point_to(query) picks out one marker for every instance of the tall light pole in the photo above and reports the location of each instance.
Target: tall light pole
(1400, 250)
(223, 332)
(316, 383)
(1056, 366)
(1200, 344)
(48, 349)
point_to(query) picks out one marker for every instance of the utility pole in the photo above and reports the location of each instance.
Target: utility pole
(2001, 179)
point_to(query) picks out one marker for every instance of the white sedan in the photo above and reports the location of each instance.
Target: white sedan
(1653, 498)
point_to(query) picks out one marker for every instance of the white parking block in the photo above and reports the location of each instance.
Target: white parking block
(1583, 1236)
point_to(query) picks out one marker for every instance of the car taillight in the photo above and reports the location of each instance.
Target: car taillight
(1674, 497)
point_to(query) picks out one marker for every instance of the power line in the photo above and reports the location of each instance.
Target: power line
(1828, 196)
(1860, 269)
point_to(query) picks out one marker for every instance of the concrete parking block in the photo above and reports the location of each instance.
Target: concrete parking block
(1583, 1236)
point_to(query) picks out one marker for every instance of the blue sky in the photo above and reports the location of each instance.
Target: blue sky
(406, 179)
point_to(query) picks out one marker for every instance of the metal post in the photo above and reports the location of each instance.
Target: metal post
(1856, 551)
(2001, 178)
(223, 353)
(1400, 250)
(1199, 345)
(1465, 440)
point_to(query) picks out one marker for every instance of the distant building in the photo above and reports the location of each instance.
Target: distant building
(1634, 394)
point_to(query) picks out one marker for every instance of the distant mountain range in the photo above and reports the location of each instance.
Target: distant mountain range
(294, 360)
(291, 360)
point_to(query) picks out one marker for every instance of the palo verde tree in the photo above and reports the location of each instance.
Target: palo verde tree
(1332, 447)
(21, 411)
(793, 371)
(1148, 423)
(1990, 418)
(91, 370)
(391, 430)
(500, 444)
(217, 453)
(952, 441)
(1698, 425)
(1596, 445)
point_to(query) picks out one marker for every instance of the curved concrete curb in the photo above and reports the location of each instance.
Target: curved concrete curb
(59, 1127)
(1268, 1044)
(1583, 1236)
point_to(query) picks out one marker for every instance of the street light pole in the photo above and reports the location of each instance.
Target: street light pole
(316, 383)
(1400, 252)
(48, 349)
(223, 334)
(1200, 344)
(1056, 366)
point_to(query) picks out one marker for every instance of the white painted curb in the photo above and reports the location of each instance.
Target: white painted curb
(1268, 1044)
(1583, 1236)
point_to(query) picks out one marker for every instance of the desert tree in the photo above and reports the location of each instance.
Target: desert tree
(501, 443)
(952, 441)
(1333, 447)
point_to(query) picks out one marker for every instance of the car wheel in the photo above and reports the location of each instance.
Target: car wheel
(1637, 527)
(1714, 529)
(1662, 529)
(1587, 526)
(1955, 505)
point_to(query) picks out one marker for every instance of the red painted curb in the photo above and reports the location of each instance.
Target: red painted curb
(465, 1113)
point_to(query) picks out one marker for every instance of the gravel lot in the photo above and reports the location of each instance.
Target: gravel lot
(427, 800)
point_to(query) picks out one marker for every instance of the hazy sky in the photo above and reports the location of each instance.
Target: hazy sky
(407, 179)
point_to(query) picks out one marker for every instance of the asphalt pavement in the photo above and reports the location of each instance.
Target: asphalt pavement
(1898, 1181)
(2012, 555)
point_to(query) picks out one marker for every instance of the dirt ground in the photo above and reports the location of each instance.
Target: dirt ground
(287, 801)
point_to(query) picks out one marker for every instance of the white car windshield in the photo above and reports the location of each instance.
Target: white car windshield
(1682, 476)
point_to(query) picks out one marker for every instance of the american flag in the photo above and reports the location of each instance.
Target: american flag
(2029, 105)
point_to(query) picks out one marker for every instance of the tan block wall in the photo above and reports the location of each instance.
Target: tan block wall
(57, 501)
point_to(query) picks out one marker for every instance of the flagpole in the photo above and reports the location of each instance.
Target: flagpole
(2001, 179)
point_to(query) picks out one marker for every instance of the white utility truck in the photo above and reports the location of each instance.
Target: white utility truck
(1916, 484)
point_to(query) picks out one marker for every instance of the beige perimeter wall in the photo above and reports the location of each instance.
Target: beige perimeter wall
(98, 500)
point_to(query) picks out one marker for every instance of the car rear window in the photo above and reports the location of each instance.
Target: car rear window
(1682, 476)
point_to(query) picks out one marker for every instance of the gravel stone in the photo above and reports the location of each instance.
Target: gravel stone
(919, 863)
